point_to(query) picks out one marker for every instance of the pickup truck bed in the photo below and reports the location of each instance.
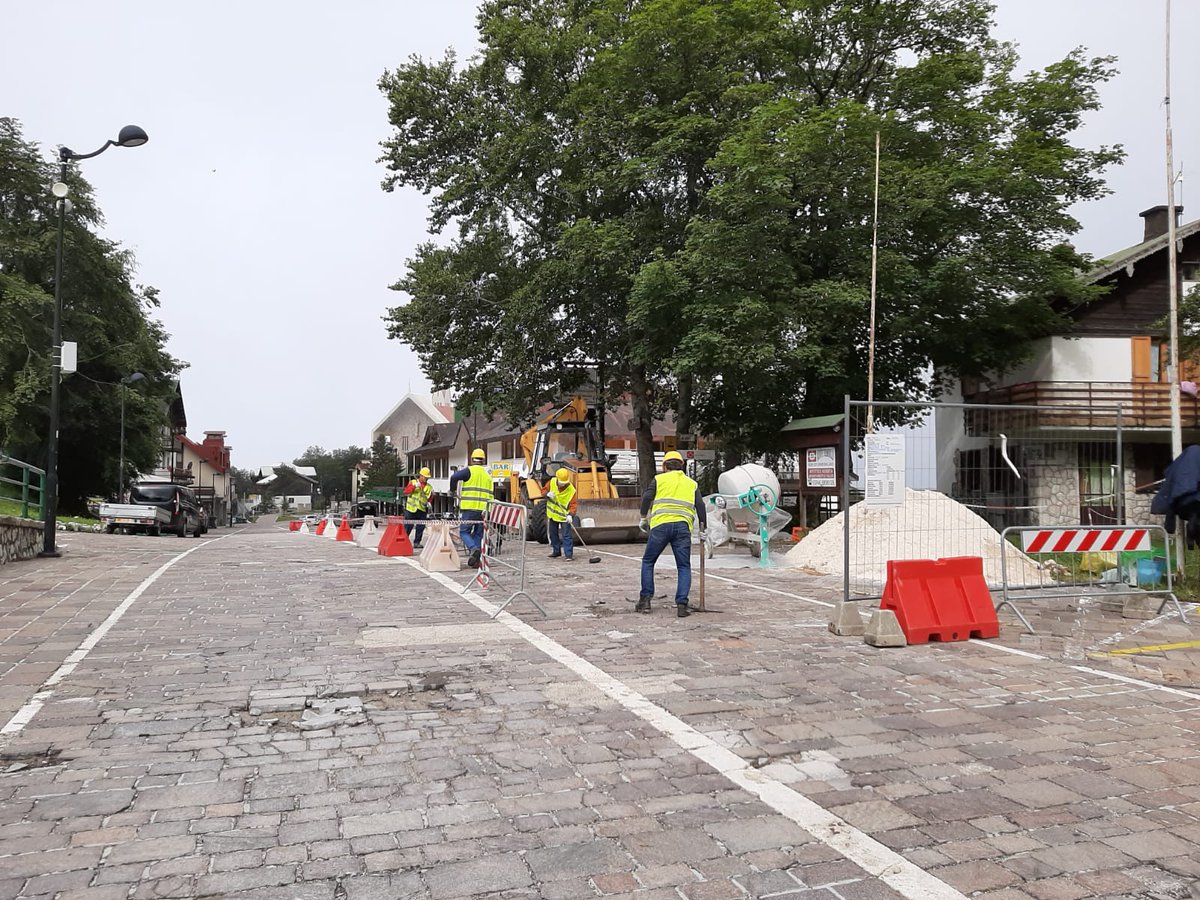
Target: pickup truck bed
(131, 517)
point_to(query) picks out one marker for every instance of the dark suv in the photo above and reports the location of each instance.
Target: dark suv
(186, 515)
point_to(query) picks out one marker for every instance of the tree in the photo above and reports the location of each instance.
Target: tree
(386, 464)
(679, 193)
(104, 311)
(333, 469)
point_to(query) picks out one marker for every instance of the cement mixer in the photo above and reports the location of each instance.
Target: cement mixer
(744, 509)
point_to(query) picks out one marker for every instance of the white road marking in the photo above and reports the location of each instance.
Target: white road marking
(26, 713)
(894, 870)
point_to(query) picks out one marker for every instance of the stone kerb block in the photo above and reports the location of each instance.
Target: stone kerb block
(19, 538)
(884, 630)
(846, 620)
(1141, 606)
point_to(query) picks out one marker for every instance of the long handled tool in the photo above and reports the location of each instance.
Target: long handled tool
(592, 557)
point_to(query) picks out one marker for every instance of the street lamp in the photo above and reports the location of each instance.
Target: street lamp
(129, 136)
(131, 379)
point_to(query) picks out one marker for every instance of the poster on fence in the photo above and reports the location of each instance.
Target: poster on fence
(821, 467)
(885, 469)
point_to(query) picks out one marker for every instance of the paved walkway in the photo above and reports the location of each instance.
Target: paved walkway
(280, 715)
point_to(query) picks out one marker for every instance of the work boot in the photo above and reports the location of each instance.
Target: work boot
(417, 546)
(643, 605)
(569, 558)
(555, 555)
(473, 559)
(682, 611)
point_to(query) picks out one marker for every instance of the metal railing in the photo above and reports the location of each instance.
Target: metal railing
(504, 541)
(25, 484)
(1090, 404)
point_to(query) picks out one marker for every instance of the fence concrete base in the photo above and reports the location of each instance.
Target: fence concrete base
(846, 620)
(884, 630)
(19, 539)
(1141, 607)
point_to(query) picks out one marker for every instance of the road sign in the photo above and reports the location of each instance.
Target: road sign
(700, 455)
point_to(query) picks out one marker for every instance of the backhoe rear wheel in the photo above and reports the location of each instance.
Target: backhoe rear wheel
(537, 524)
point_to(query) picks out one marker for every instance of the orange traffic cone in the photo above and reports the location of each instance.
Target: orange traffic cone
(344, 533)
(321, 527)
(395, 540)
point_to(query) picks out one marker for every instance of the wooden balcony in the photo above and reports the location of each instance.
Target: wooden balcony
(1090, 404)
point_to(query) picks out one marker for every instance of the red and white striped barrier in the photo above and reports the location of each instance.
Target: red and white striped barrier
(510, 516)
(1080, 540)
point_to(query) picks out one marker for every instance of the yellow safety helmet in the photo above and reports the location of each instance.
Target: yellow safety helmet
(425, 473)
(562, 476)
(478, 453)
(672, 455)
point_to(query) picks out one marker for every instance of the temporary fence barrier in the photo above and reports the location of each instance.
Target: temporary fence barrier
(504, 531)
(939, 480)
(1108, 558)
(438, 553)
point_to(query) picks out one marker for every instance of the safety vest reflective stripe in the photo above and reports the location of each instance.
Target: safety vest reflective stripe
(418, 500)
(674, 499)
(558, 504)
(476, 491)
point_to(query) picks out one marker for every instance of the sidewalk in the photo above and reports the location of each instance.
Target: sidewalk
(740, 753)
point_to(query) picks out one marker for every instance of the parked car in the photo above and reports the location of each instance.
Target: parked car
(311, 520)
(187, 517)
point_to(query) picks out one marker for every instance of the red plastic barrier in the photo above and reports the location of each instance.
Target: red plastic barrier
(395, 540)
(344, 533)
(294, 525)
(940, 600)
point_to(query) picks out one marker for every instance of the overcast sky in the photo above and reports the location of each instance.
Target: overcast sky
(256, 207)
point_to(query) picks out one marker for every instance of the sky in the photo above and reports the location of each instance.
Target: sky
(256, 207)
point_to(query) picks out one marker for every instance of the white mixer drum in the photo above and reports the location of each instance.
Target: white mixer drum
(735, 482)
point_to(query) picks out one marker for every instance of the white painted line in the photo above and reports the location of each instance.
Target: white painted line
(894, 870)
(25, 714)
(743, 584)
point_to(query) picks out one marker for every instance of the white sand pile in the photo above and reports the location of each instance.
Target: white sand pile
(929, 525)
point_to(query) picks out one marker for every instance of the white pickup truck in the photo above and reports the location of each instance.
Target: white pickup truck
(130, 517)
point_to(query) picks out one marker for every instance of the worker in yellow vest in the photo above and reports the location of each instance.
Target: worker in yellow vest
(674, 507)
(560, 508)
(416, 508)
(473, 499)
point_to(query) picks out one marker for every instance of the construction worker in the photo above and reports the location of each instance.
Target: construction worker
(473, 499)
(560, 507)
(416, 508)
(674, 507)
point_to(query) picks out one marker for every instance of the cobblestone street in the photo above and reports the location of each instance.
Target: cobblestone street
(279, 715)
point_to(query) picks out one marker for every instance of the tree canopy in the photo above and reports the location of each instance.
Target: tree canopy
(678, 194)
(105, 311)
(333, 469)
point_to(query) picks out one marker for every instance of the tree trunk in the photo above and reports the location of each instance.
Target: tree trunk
(640, 398)
(683, 410)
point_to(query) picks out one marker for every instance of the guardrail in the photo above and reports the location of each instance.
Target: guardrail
(25, 483)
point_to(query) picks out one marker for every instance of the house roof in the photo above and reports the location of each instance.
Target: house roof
(308, 472)
(441, 436)
(492, 429)
(209, 455)
(1115, 262)
(423, 402)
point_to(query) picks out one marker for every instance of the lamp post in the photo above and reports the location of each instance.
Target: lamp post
(130, 136)
(130, 379)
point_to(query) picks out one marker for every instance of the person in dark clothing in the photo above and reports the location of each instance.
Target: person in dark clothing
(1179, 495)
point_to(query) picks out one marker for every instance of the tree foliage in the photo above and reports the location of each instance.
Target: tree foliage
(333, 469)
(105, 311)
(386, 464)
(679, 193)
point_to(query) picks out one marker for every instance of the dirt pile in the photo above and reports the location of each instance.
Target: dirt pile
(928, 525)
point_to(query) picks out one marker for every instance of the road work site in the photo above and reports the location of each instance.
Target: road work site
(275, 714)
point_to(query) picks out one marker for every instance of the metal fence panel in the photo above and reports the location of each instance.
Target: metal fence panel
(950, 479)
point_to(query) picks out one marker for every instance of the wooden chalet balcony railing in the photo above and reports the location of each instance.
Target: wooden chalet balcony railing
(1093, 404)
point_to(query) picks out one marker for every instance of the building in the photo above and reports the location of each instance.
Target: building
(405, 425)
(1108, 367)
(209, 472)
(285, 485)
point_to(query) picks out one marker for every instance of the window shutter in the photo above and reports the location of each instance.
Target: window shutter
(1141, 359)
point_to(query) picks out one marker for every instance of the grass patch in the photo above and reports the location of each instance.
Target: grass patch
(13, 508)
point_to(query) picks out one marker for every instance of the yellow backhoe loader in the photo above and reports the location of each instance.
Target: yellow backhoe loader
(566, 438)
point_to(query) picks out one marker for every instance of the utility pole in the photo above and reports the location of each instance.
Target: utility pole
(874, 268)
(1173, 287)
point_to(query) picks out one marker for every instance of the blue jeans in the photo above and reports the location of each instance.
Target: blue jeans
(418, 531)
(472, 535)
(679, 536)
(560, 538)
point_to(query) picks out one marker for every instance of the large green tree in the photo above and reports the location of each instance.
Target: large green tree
(386, 464)
(333, 469)
(105, 311)
(679, 193)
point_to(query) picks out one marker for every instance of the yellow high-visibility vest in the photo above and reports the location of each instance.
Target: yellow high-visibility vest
(674, 499)
(418, 500)
(477, 490)
(558, 501)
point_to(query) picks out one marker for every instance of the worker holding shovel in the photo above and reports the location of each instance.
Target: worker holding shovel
(418, 492)
(560, 510)
(674, 506)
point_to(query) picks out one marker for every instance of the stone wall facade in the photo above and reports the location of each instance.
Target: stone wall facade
(1054, 488)
(19, 539)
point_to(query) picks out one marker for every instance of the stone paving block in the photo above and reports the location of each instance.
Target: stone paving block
(382, 823)
(480, 876)
(717, 890)
(656, 848)
(580, 860)
(744, 835)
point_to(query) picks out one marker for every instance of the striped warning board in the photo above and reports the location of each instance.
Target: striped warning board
(1079, 540)
(506, 514)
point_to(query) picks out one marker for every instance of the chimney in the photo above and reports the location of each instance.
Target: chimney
(1156, 221)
